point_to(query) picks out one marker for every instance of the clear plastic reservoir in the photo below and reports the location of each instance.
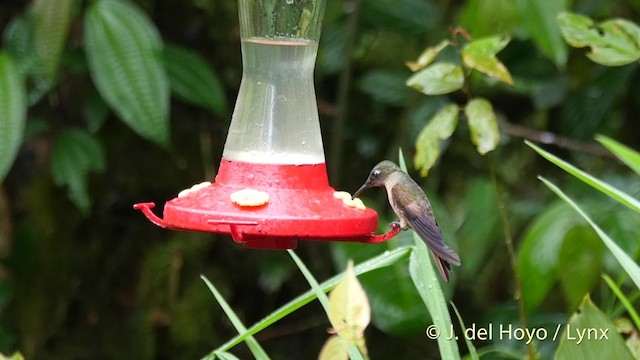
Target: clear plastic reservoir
(275, 119)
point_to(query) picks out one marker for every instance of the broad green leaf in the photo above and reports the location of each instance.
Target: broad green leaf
(52, 20)
(579, 264)
(335, 348)
(622, 44)
(193, 80)
(481, 55)
(483, 125)
(13, 112)
(386, 87)
(383, 260)
(597, 184)
(614, 42)
(627, 155)
(437, 79)
(589, 320)
(124, 51)
(487, 46)
(349, 310)
(539, 18)
(428, 56)
(540, 250)
(579, 30)
(257, 350)
(439, 128)
(19, 41)
(426, 282)
(627, 263)
(74, 155)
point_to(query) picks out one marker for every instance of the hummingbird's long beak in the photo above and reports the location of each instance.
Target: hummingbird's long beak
(361, 190)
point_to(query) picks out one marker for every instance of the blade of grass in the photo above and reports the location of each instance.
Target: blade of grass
(624, 300)
(354, 354)
(597, 184)
(257, 350)
(472, 349)
(225, 356)
(625, 260)
(627, 155)
(385, 259)
(426, 282)
(322, 297)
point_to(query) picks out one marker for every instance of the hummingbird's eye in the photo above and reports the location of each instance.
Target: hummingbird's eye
(375, 174)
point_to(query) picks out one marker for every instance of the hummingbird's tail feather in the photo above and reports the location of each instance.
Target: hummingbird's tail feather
(443, 267)
(430, 233)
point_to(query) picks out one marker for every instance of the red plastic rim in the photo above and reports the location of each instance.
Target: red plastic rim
(301, 206)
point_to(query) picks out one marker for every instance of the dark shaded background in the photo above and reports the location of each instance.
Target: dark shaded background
(111, 285)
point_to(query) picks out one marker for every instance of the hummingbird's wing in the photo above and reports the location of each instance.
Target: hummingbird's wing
(416, 211)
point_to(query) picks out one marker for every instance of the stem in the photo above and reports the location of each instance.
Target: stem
(547, 137)
(344, 87)
(508, 239)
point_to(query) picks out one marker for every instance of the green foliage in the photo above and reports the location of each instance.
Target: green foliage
(426, 282)
(52, 20)
(386, 87)
(434, 77)
(439, 128)
(489, 17)
(104, 284)
(12, 112)
(539, 253)
(76, 154)
(627, 155)
(597, 184)
(628, 264)
(480, 55)
(192, 80)
(592, 322)
(126, 62)
(539, 17)
(124, 51)
(349, 314)
(483, 124)
(400, 299)
(386, 259)
(613, 43)
(256, 349)
(437, 79)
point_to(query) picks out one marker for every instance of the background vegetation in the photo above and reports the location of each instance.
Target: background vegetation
(84, 276)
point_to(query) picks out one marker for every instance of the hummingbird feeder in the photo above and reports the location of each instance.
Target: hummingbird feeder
(272, 188)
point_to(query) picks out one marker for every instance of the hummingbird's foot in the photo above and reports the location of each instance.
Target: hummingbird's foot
(396, 225)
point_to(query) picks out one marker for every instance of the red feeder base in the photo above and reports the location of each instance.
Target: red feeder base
(300, 206)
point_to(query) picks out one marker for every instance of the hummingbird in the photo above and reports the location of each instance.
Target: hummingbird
(410, 203)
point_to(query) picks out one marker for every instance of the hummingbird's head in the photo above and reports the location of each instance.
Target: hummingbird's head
(378, 176)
